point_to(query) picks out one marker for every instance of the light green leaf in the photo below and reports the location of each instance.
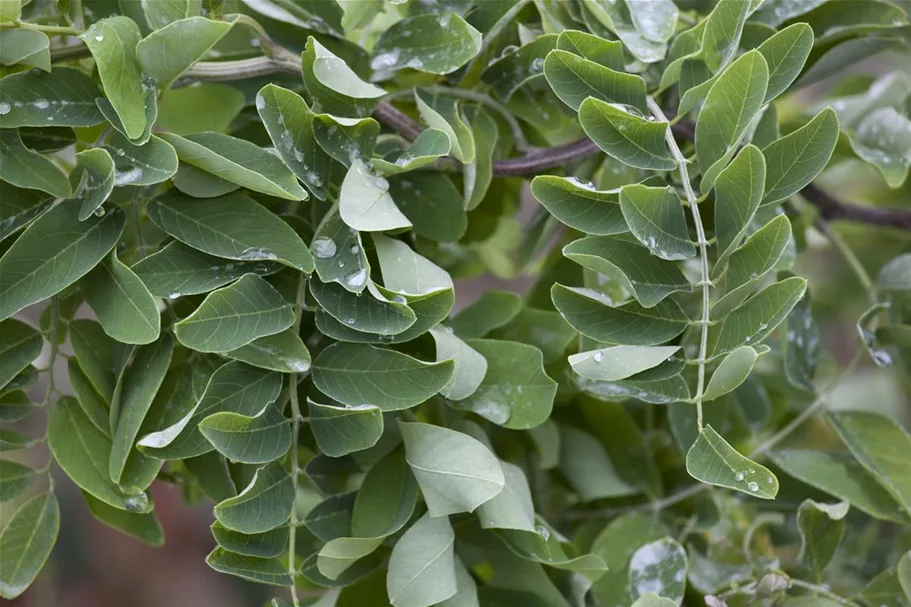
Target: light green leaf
(885, 589)
(14, 479)
(467, 591)
(257, 439)
(579, 205)
(431, 202)
(786, 53)
(83, 452)
(284, 352)
(234, 316)
(608, 53)
(429, 145)
(289, 123)
(263, 505)
(338, 253)
(616, 544)
(759, 254)
(135, 165)
(234, 387)
(796, 159)
(444, 114)
(34, 98)
(25, 47)
(386, 500)
(93, 404)
(167, 53)
(263, 571)
(159, 13)
(10, 10)
(407, 272)
(20, 207)
(723, 28)
(624, 20)
(650, 599)
(144, 526)
(757, 317)
(178, 270)
(477, 176)
(588, 469)
(326, 97)
(53, 253)
(138, 388)
(422, 566)
(543, 329)
(365, 204)
(492, 310)
(345, 139)
(881, 446)
(120, 300)
(21, 344)
(712, 460)
(470, 365)
(883, 138)
(334, 73)
(150, 106)
(269, 544)
(595, 315)
(738, 192)
(238, 161)
(733, 371)
(99, 180)
(26, 543)
(512, 508)
(233, 226)
(821, 528)
(632, 140)
(574, 79)
(437, 44)
(362, 312)
(731, 104)
(655, 217)
(340, 554)
(619, 362)
(204, 106)
(659, 566)
(14, 405)
(113, 42)
(516, 392)
(25, 168)
(513, 70)
(356, 374)
(456, 472)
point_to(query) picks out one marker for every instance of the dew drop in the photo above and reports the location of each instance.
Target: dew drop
(350, 321)
(399, 299)
(739, 475)
(353, 249)
(5, 108)
(357, 279)
(99, 212)
(324, 248)
(42, 104)
(256, 253)
(173, 294)
(598, 356)
(136, 503)
(543, 531)
(753, 486)
(99, 38)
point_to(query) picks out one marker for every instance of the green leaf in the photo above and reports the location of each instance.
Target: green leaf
(786, 53)
(619, 362)
(738, 192)
(238, 161)
(883, 139)
(159, 13)
(650, 599)
(342, 430)
(365, 204)
(733, 371)
(356, 374)
(881, 446)
(233, 226)
(470, 365)
(340, 554)
(14, 405)
(574, 79)
(429, 145)
(144, 526)
(796, 159)
(26, 543)
(445, 115)
(723, 29)
(34, 98)
(178, 270)
(113, 42)
(712, 460)
(515, 393)
(263, 571)
(284, 352)
(205, 106)
(660, 565)
(327, 89)
(289, 123)
(362, 313)
(257, 439)
(759, 316)
(422, 565)
(263, 505)
(20, 207)
(234, 387)
(637, 27)
(10, 10)
(141, 165)
(512, 508)
(543, 329)
(83, 452)
(587, 467)
(123, 305)
(234, 316)
(595, 315)
(99, 180)
(53, 253)
(345, 139)
(456, 473)
(492, 310)
(386, 500)
(14, 479)
(167, 53)
(269, 544)
(406, 272)
(437, 44)
(21, 344)
(632, 140)
(759, 254)
(885, 589)
(655, 217)
(335, 74)
(10, 440)
(731, 104)
(150, 106)
(616, 543)
(22, 167)
(25, 47)
(99, 356)
(431, 203)
(514, 69)
(608, 53)
(579, 205)
(477, 176)
(821, 528)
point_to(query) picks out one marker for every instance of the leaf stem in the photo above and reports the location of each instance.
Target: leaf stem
(51, 30)
(823, 591)
(853, 262)
(52, 338)
(502, 23)
(703, 256)
(295, 467)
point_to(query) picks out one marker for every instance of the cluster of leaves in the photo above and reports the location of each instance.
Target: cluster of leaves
(206, 178)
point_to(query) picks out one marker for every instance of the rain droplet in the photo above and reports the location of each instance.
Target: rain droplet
(353, 249)
(598, 356)
(5, 108)
(350, 321)
(173, 294)
(99, 38)
(324, 248)
(543, 531)
(260, 101)
(358, 279)
(136, 503)
(255, 253)
(739, 475)
(753, 486)
(99, 212)
(42, 104)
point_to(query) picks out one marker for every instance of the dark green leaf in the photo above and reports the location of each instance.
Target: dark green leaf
(20, 344)
(438, 44)
(342, 430)
(124, 306)
(492, 310)
(712, 460)
(738, 192)
(263, 505)
(655, 217)
(35, 98)
(786, 53)
(797, 158)
(630, 139)
(26, 543)
(144, 526)
(284, 352)
(25, 168)
(574, 79)
(14, 479)
(264, 571)
(256, 439)
(821, 528)
(579, 205)
(167, 53)
(269, 544)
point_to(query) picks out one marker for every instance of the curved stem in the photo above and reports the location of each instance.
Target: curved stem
(693, 201)
(50, 30)
(823, 591)
(295, 467)
(502, 23)
(858, 268)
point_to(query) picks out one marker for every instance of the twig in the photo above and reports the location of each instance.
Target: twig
(295, 467)
(823, 591)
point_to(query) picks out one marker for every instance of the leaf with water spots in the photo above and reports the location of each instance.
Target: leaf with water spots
(712, 460)
(632, 140)
(619, 362)
(407, 272)
(437, 44)
(579, 205)
(141, 165)
(34, 98)
(655, 217)
(365, 204)
(659, 567)
(883, 138)
(514, 69)
(574, 79)
(284, 352)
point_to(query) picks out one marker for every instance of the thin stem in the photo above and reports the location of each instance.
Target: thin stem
(52, 338)
(295, 468)
(692, 199)
(858, 268)
(502, 23)
(51, 30)
(823, 591)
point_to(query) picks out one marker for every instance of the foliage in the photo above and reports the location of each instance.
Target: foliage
(246, 255)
